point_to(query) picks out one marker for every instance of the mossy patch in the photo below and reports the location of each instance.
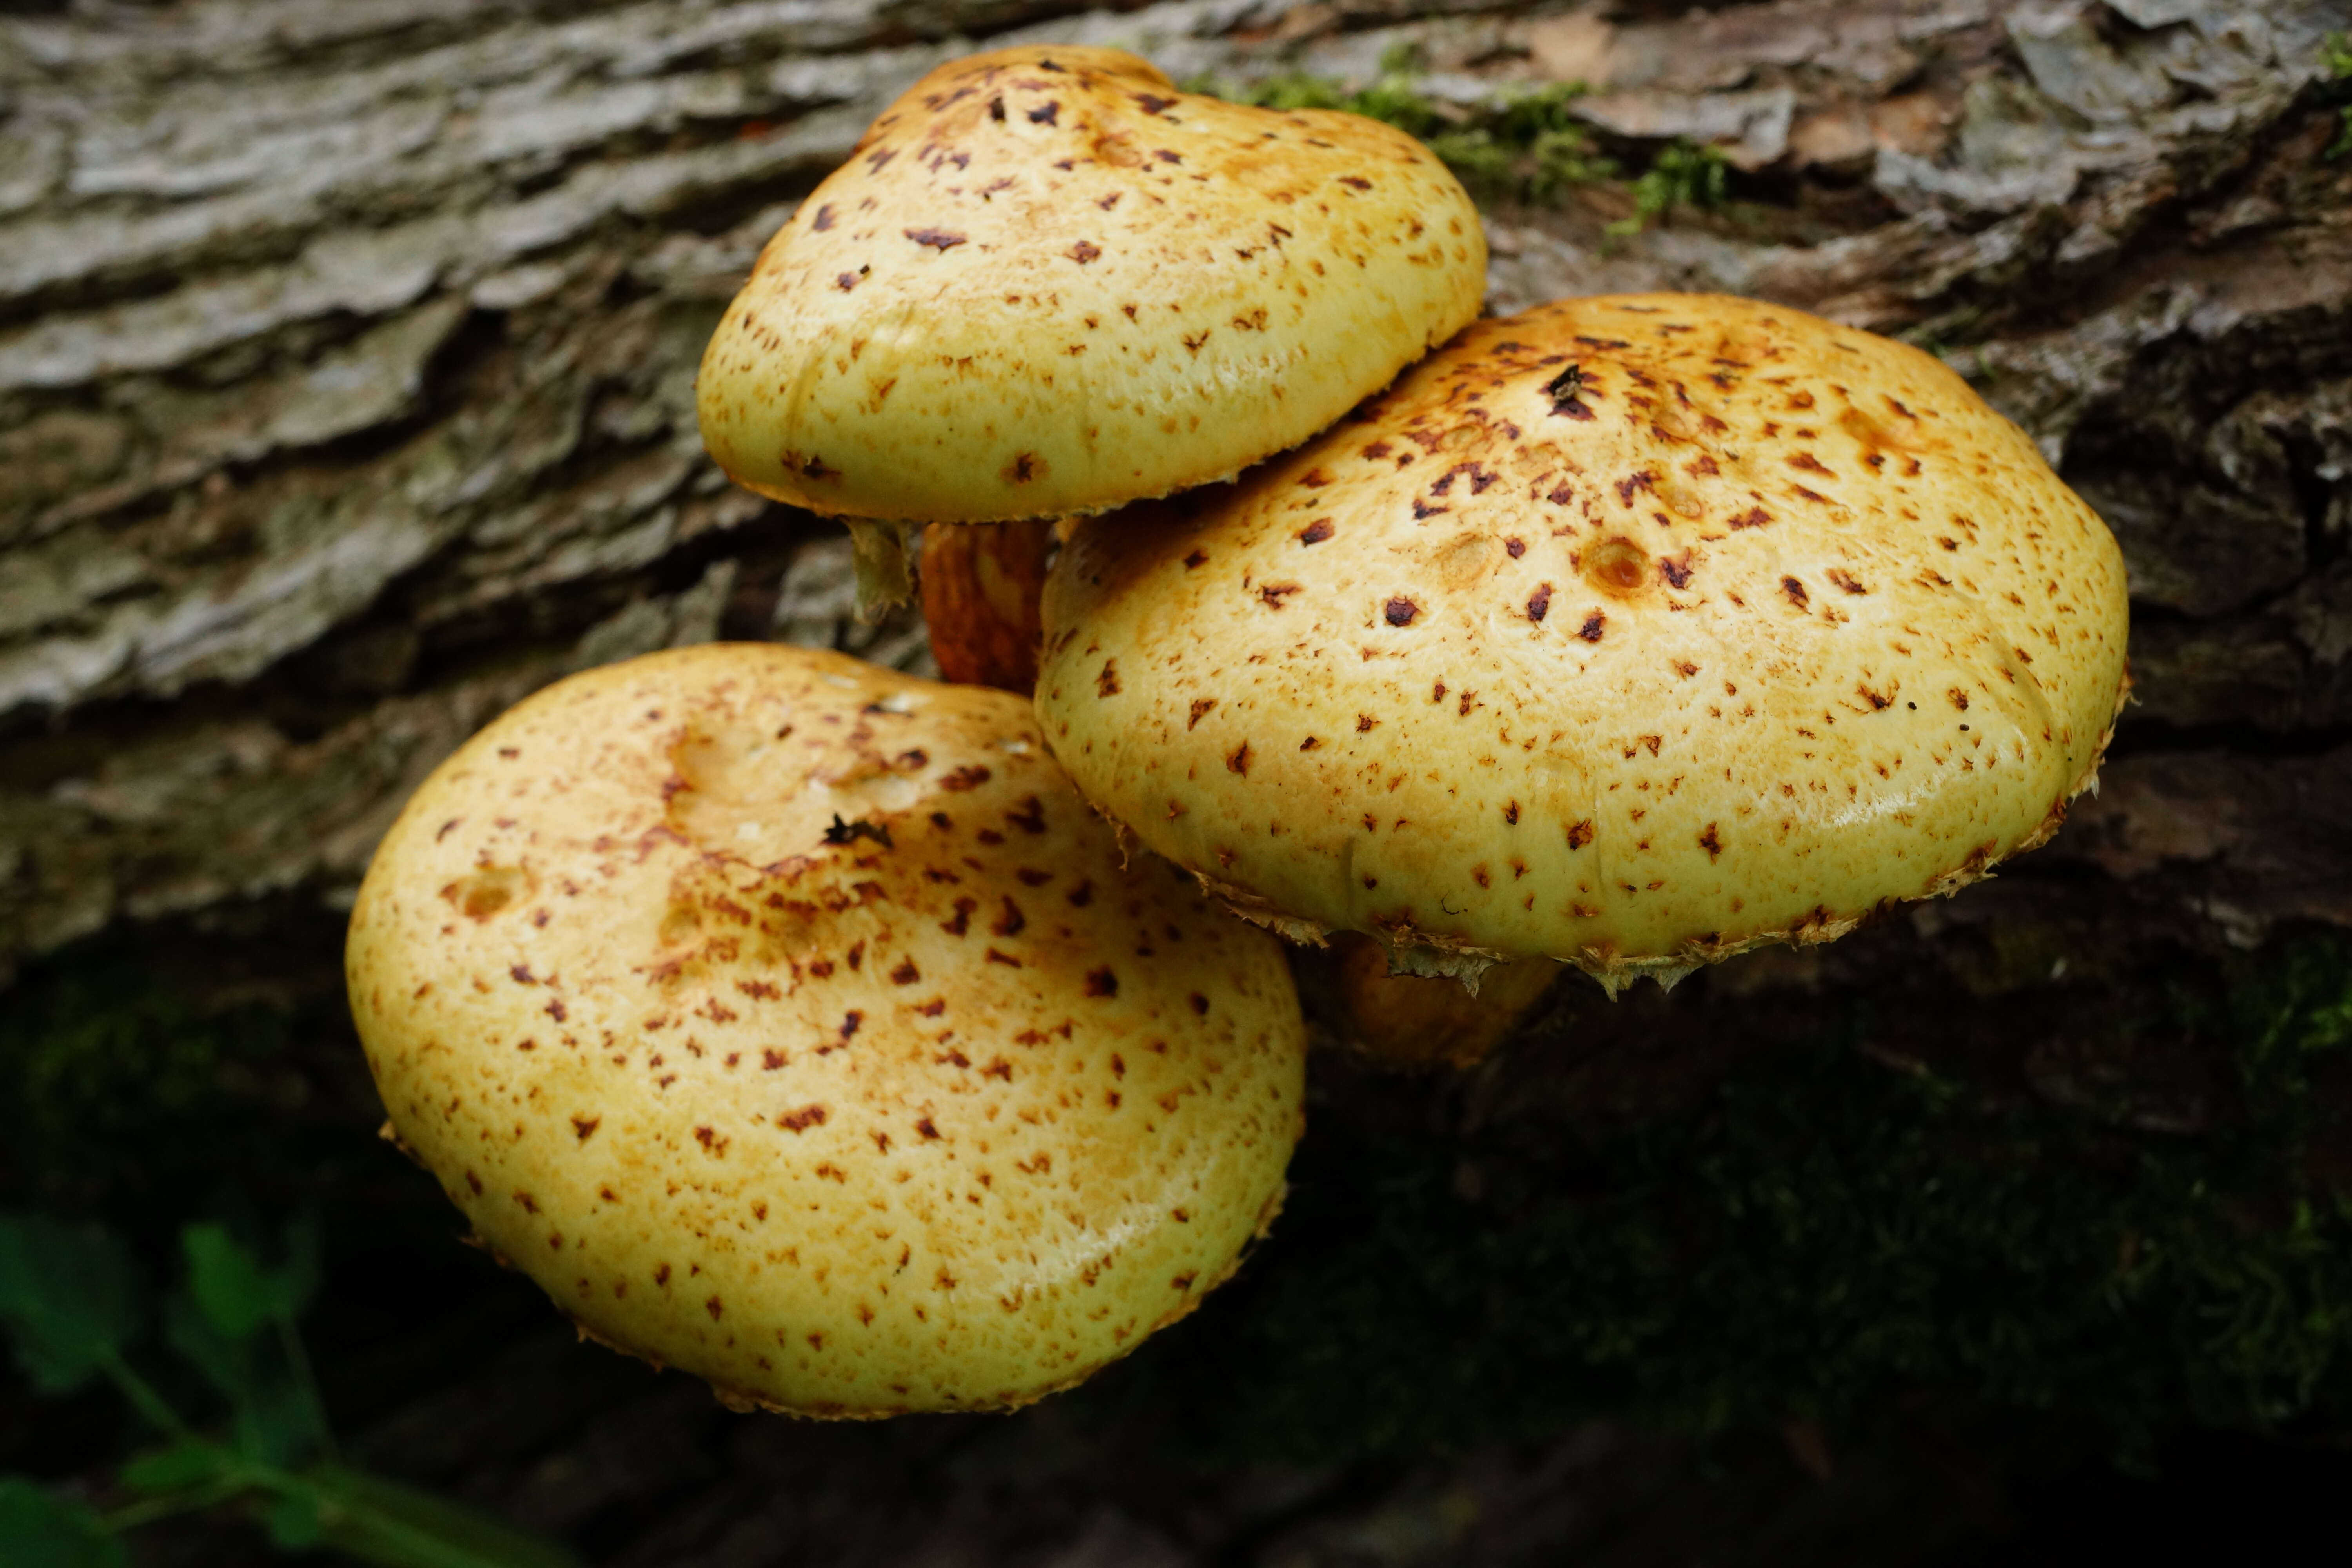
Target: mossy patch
(107, 1077)
(1821, 1234)
(1524, 144)
(147, 1093)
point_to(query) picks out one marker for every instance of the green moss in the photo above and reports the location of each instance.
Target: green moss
(1524, 144)
(1821, 1235)
(1390, 100)
(1681, 176)
(147, 1094)
(106, 1074)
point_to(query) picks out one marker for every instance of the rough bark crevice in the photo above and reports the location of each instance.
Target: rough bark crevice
(346, 352)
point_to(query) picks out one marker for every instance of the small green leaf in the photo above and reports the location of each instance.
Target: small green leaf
(383, 1522)
(69, 1296)
(183, 1467)
(227, 1281)
(272, 1418)
(40, 1529)
(225, 1363)
(240, 1292)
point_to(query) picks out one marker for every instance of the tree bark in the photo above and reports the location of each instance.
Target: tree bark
(346, 352)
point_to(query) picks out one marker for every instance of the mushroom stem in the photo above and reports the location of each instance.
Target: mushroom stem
(884, 563)
(1407, 1022)
(980, 587)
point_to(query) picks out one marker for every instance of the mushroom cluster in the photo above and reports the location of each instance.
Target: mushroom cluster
(865, 1044)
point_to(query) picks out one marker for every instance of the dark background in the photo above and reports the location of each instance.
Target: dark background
(345, 360)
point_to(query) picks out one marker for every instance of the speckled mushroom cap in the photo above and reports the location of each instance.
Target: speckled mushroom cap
(1630, 631)
(935, 1109)
(1048, 282)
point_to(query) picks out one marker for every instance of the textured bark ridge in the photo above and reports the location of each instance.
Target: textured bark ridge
(346, 358)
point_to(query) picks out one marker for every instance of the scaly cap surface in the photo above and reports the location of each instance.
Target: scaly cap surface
(1630, 631)
(935, 1109)
(1048, 282)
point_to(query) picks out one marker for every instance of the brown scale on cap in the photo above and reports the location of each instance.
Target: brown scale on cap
(1048, 282)
(845, 1124)
(1770, 622)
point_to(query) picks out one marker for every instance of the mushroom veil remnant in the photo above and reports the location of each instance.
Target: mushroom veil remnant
(1357, 1002)
(795, 1022)
(1048, 282)
(1631, 632)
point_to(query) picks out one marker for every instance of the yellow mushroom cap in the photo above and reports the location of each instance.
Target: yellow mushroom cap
(793, 1022)
(1048, 282)
(1629, 631)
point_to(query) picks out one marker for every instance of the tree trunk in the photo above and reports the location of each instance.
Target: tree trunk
(346, 358)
